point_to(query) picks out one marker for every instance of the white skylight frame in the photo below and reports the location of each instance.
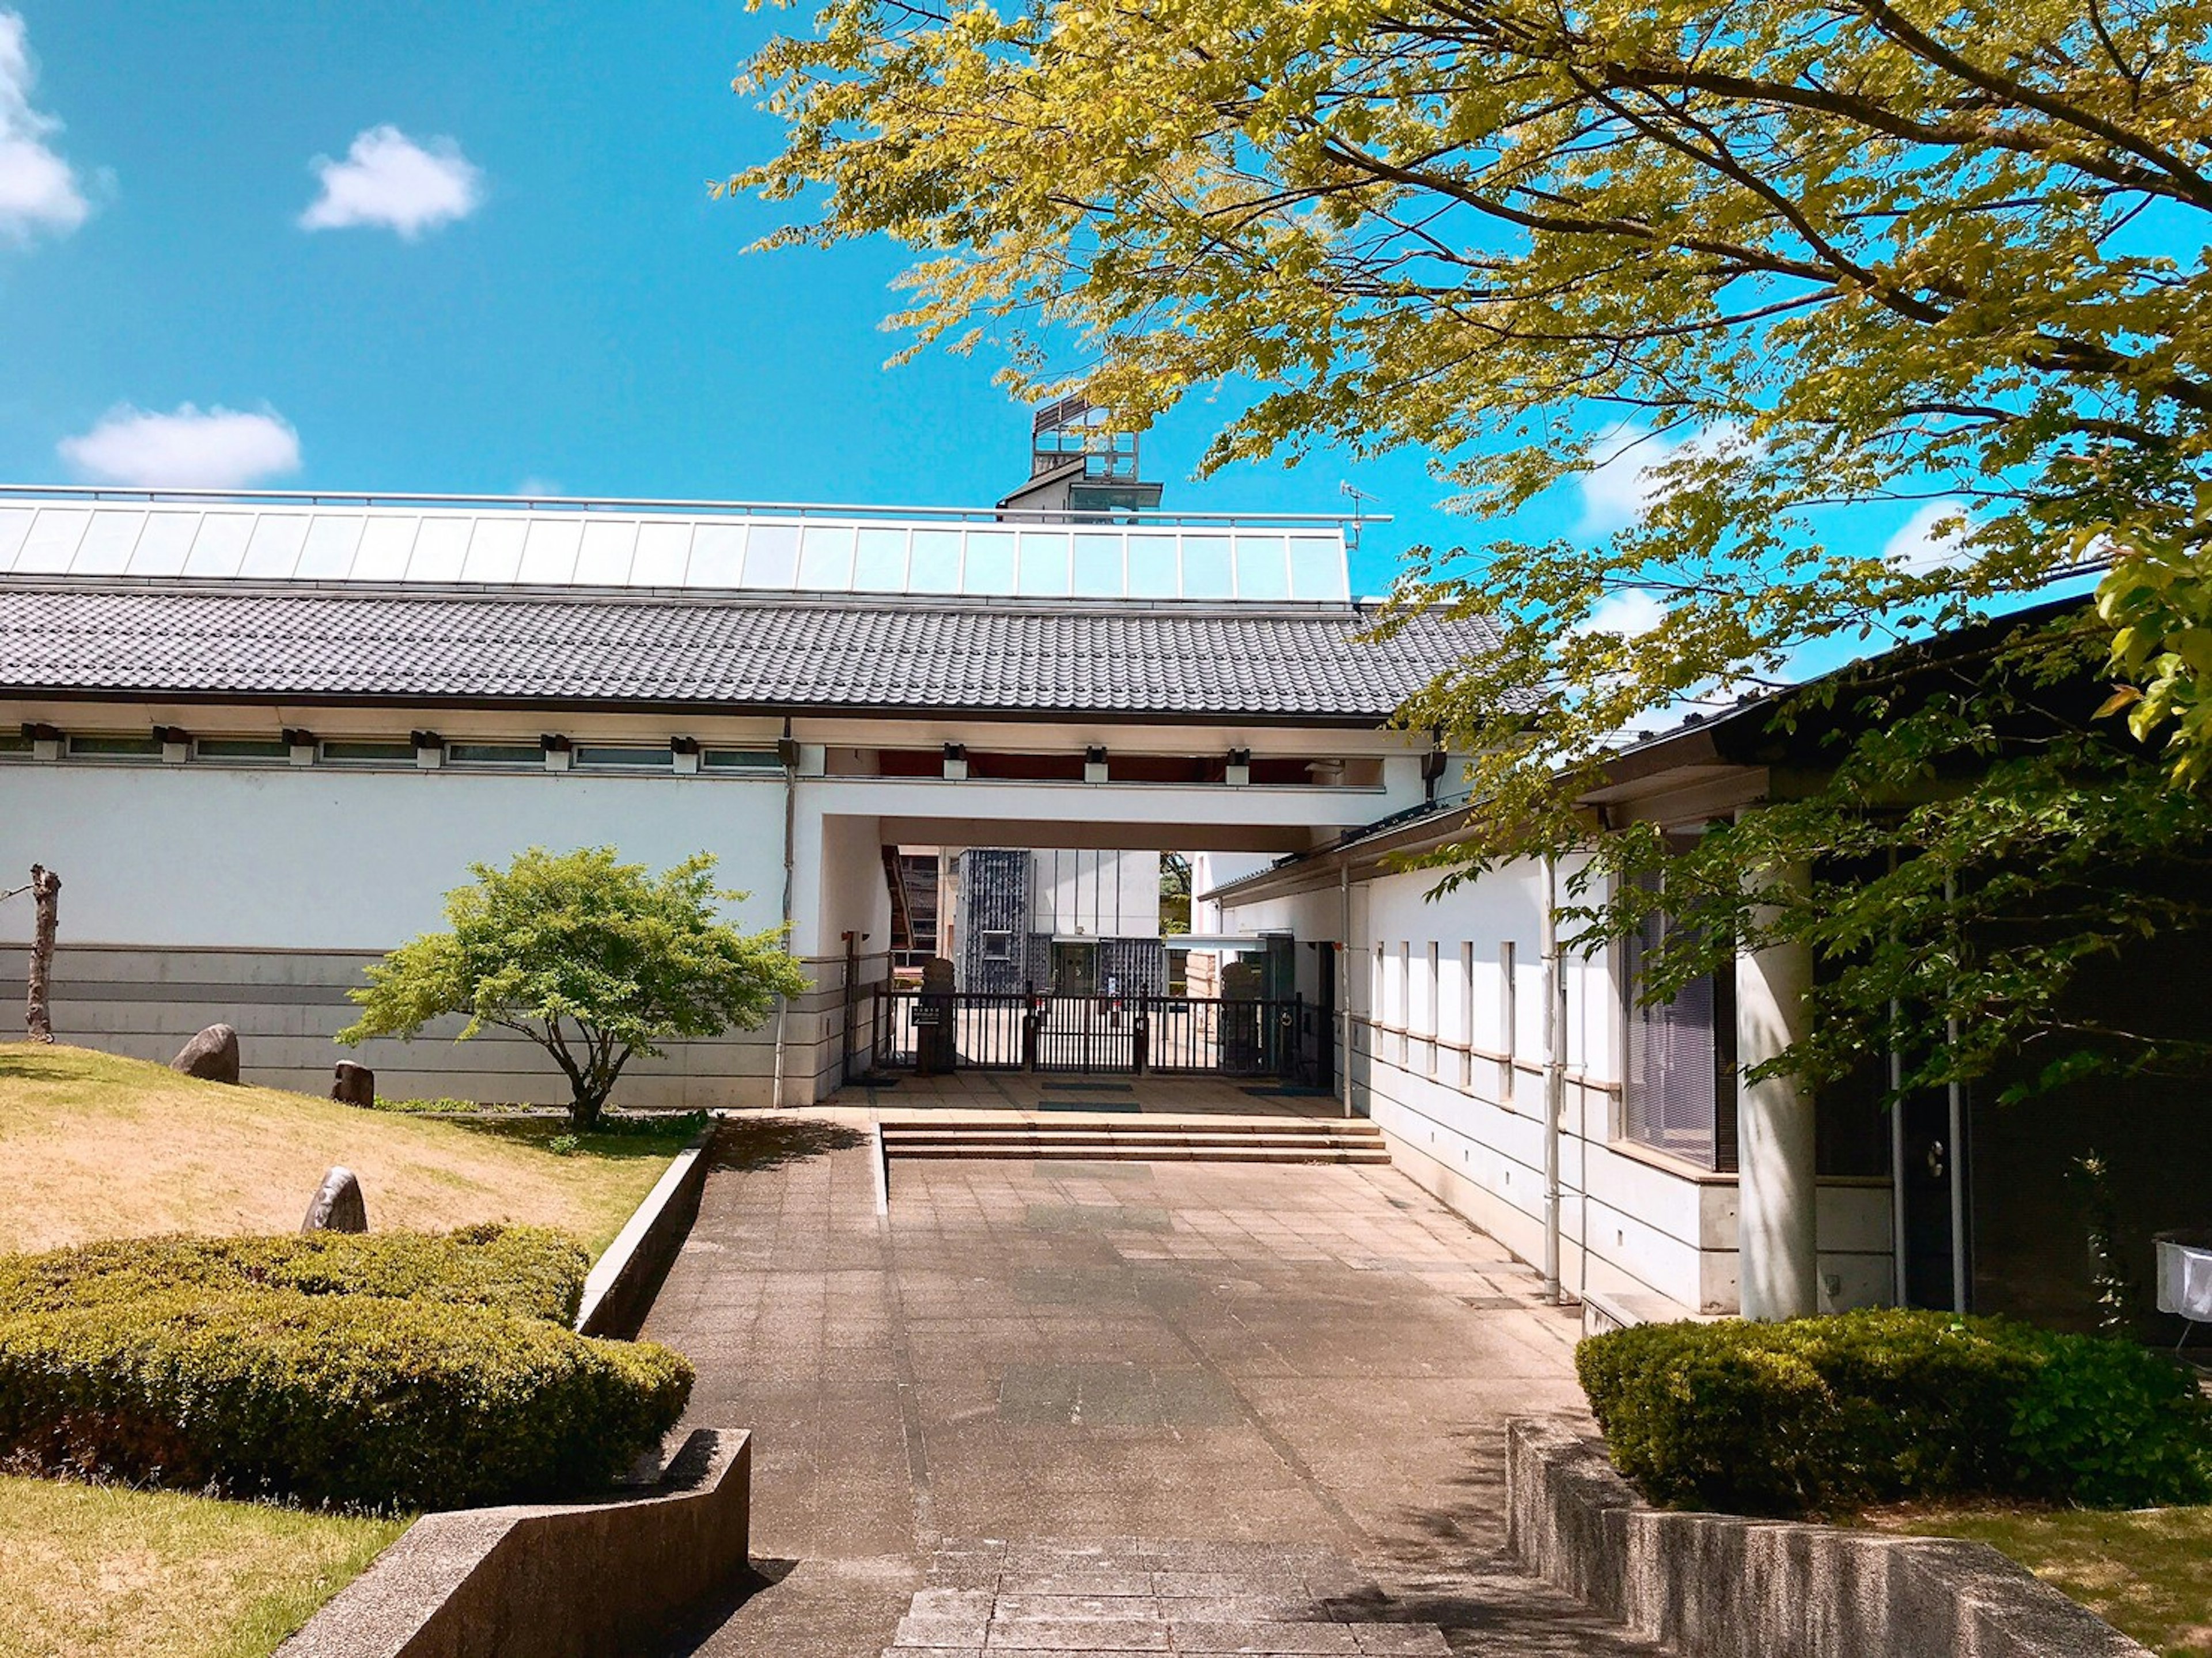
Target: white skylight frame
(1289, 559)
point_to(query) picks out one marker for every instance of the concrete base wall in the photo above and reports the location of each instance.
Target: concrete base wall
(1723, 1587)
(590, 1580)
(289, 1006)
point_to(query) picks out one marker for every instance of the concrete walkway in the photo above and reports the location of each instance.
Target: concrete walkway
(1058, 1355)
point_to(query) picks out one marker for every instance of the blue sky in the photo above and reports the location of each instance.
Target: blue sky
(523, 284)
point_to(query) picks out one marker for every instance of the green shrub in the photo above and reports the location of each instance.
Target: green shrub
(531, 1271)
(1820, 1414)
(344, 1398)
(2110, 1424)
(382, 1369)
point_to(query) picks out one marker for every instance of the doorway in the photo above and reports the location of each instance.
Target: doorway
(1074, 969)
(1932, 1175)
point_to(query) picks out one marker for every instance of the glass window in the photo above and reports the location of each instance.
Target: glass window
(1680, 1093)
(1045, 565)
(274, 547)
(106, 548)
(606, 549)
(164, 543)
(360, 753)
(329, 553)
(1205, 567)
(1262, 572)
(880, 564)
(742, 760)
(53, 540)
(1098, 573)
(1152, 566)
(440, 546)
(13, 745)
(1317, 568)
(548, 552)
(936, 562)
(387, 545)
(990, 567)
(242, 748)
(661, 759)
(495, 753)
(772, 555)
(825, 558)
(116, 748)
(663, 551)
(718, 556)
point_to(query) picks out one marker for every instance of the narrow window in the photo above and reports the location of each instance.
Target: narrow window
(115, 747)
(1678, 1097)
(242, 748)
(369, 754)
(495, 753)
(634, 759)
(1467, 1013)
(1432, 989)
(1508, 1022)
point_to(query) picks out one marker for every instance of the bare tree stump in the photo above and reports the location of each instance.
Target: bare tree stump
(38, 1014)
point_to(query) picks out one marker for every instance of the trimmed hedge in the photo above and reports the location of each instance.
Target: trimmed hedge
(385, 1370)
(531, 1271)
(1818, 1415)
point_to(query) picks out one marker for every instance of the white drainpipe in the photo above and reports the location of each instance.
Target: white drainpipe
(1555, 1074)
(790, 835)
(1344, 982)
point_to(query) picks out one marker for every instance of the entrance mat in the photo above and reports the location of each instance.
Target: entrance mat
(1130, 1106)
(1089, 1088)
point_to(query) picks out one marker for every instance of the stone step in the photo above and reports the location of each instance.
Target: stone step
(1130, 1596)
(1124, 1151)
(1006, 1122)
(956, 1136)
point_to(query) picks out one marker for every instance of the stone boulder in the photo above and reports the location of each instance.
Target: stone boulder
(338, 1205)
(212, 1056)
(353, 1084)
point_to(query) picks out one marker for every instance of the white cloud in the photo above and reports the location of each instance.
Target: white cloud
(388, 180)
(39, 189)
(1629, 480)
(215, 448)
(1631, 612)
(1931, 538)
(535, 487)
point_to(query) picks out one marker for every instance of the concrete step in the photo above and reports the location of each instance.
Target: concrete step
(946, 1122)
(1132, 1595)
(1110, 1151)
(1055, 1135)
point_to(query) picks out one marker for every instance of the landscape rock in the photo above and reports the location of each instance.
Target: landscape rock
(353, 1084)
(338, 1205)
(212, 1056)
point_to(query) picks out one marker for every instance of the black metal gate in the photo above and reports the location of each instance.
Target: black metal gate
(936, 1031)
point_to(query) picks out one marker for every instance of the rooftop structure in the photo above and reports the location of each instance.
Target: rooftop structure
(719, 546)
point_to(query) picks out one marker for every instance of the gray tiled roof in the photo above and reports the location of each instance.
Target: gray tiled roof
(187, 640)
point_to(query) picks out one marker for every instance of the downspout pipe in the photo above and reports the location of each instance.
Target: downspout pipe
(1344, 959)
(1555, 1074)
(790, 838)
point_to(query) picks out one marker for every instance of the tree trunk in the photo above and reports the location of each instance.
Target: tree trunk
(38, 1016)
(590, 1098)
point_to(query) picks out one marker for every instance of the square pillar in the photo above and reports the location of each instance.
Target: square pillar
(1777, 1241)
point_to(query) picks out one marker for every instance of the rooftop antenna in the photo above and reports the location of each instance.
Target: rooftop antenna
(1361, 502)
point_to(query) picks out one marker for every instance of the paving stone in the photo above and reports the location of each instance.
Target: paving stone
(928, 1631)
(1401, 1640)
(1299, 1638)
(1077, 1635)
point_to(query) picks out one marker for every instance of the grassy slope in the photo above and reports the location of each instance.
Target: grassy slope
(2148, 1574)
(95, 1146)
(130, 1574)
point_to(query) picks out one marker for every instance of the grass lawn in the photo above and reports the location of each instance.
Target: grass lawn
(95, 1146)
(2148, 1574)
(126, 1574)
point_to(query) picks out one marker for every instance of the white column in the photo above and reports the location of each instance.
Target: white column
(1778, 1259)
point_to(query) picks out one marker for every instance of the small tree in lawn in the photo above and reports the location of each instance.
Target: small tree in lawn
(594, 960)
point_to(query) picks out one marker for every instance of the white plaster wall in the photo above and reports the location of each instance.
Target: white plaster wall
(318, 857)
(1470, 1128)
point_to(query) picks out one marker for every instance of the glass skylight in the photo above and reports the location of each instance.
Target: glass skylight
(763, 549)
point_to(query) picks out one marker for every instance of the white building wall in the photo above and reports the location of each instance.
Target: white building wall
(1449, 1061)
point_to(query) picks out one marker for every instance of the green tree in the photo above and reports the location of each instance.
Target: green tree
(1756, 263)
(594, 960)
(1175, 892)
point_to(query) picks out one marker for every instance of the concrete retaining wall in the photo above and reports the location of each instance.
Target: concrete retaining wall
(622, 1282)
(1723, 1587)
(588, 1580)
